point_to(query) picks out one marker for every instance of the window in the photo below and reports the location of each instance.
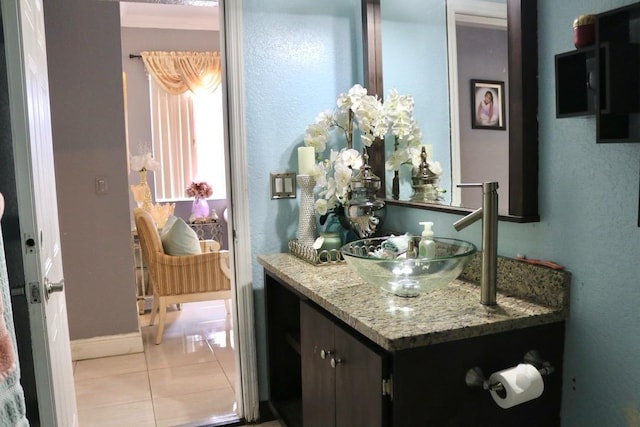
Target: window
(188, 141)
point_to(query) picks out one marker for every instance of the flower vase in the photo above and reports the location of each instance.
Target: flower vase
(306, 216)
(138, 191)
(330, 238)
(395, 186)
(199, 208)
(332, 228)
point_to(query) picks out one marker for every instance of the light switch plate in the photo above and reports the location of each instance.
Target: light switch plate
(102, 187)
(283, 185)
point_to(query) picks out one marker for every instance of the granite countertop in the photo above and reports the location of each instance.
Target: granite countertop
(527, 296)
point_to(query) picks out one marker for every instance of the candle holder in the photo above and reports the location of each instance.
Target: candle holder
(307, 217)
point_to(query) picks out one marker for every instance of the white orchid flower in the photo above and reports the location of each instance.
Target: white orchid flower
(319, 174)
(349, 158)
(321, 206)
(356, 93)
(435, 167)
(372, 120)
(415, 154)
(397, 158)
(342, 178)
(144, 162)
(316, 136)
(333, 156)
(325, 119)
(367, 140)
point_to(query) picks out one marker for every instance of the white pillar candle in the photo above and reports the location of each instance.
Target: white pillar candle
(306, 160)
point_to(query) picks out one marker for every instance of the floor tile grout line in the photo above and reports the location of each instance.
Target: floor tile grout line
(113, 404)
(146, 362)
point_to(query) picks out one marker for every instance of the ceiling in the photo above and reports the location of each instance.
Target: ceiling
(171, 16)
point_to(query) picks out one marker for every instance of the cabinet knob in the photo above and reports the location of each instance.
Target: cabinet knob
(335, 361)
(325, 353)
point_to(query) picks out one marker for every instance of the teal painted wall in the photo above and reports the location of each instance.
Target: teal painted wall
(589, 207)
(414, 37)
(299, 56)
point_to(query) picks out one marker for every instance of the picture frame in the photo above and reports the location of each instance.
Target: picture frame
(488, 105)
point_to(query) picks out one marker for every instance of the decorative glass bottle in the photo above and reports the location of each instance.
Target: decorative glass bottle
(424, 182)
(142, 192)
(365, 212)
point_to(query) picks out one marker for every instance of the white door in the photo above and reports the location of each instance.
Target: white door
(25, 46)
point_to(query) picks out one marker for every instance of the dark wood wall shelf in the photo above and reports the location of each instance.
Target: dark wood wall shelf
(618, 32)
(575, 84)
(604, 79)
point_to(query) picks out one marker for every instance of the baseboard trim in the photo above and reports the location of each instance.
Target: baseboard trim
(108, 345)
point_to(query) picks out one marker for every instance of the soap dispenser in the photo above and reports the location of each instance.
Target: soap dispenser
(427, 247)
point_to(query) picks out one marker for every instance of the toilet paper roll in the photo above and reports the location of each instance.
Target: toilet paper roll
(521, 384)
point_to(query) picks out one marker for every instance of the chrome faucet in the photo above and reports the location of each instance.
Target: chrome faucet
(489, 214)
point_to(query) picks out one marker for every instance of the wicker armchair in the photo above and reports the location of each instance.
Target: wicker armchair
(181, 279)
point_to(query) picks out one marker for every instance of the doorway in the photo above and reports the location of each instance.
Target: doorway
(88, 149)
(199, 336)
(468, 22)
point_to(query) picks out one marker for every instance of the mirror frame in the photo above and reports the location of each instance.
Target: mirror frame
(522, 36)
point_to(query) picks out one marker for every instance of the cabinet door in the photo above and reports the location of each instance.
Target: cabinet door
(318, 377)
(359, 374)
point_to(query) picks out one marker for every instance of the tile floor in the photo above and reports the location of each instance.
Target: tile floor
(189, 379)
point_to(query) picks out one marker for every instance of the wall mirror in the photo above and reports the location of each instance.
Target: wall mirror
(442, 52)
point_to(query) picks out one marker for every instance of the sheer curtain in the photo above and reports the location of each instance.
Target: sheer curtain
(175, 79)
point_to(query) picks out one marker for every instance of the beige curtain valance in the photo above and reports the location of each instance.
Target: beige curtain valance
(177, 72)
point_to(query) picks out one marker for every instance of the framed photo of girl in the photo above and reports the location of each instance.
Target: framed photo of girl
(487, 105)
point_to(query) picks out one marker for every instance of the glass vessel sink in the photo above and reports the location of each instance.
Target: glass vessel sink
(385, 261)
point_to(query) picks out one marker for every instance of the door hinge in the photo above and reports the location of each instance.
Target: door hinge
(387, 387)
(35, 295)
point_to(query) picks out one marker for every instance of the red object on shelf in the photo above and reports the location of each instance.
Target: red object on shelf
(584, 35)
(584, 31)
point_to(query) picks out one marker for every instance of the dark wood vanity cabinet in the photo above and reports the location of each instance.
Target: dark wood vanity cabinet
(429, 387)
(342, 376)
(283, 351)
(360, 384)
(320, 373)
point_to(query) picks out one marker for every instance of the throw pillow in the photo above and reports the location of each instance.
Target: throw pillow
(167, 225)
(179, 239)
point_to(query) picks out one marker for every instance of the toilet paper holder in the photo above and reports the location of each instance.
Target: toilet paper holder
(476, 378)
